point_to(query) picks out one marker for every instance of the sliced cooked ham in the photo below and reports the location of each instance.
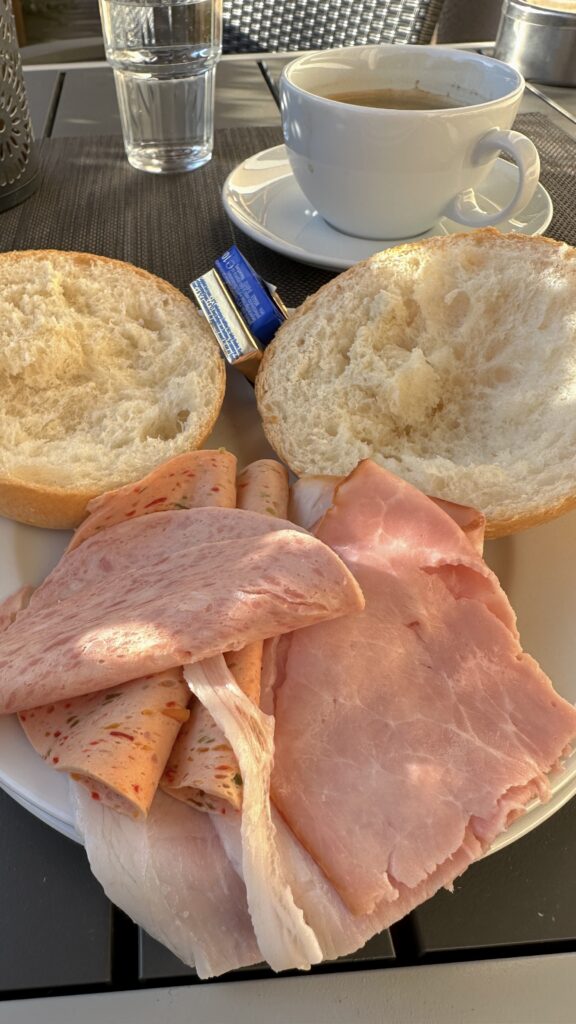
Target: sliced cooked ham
(338, 930)
(409, 735)
(312, 496)
(283, 935)
(171, 875)
(470, 520)
(143, 608)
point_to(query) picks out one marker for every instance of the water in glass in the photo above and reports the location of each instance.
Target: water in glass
(164, 56)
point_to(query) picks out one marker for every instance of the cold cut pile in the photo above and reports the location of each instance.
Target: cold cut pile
(284, 735)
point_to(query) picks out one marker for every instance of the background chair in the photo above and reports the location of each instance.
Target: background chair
(474, 21)
(260, 25)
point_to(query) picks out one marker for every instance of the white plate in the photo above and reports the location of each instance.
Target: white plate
(262, 198)
(63, 824)
(537, 569)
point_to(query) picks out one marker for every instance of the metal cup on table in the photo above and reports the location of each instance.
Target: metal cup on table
(164, 55)
(538, 37)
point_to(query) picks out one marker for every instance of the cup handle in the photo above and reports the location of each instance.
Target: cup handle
(465, 210)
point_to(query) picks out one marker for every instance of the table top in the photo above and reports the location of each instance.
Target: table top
(500, 948)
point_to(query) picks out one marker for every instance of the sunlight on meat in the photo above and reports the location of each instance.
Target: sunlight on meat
(98, 644)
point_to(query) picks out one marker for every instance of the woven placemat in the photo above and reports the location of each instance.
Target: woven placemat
(175, 226)
(91, 200)
(558, 171)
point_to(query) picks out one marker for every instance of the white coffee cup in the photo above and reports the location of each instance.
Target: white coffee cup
(384, 173)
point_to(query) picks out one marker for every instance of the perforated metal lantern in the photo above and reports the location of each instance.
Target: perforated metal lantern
(18, 162)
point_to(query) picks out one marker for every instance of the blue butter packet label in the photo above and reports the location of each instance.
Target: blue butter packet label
(259, 310)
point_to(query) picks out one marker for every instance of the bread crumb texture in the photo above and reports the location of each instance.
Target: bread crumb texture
(105, 371)
(451, 362)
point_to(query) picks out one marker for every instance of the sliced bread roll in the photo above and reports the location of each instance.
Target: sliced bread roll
(451, 362)
(105, 372)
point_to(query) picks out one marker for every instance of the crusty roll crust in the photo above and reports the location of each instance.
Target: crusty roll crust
(105, 372)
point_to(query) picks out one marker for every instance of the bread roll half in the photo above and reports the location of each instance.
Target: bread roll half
(105, 372)
(451, 362)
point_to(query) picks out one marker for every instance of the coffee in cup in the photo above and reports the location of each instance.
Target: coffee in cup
(385, 140)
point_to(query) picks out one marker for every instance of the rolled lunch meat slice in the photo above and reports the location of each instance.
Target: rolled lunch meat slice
(202, 769)
(192, 480)
(261, 487)
(117, 741)
(127, 781)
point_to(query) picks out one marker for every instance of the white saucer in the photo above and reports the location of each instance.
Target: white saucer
(262, 198)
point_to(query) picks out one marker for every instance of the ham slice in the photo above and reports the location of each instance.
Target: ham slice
(408, 736)
(171, 875)
(282, 933)
(312, 496)
(140, 606)
(339, 931)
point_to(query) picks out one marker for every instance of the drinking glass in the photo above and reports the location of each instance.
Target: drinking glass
(164, 55)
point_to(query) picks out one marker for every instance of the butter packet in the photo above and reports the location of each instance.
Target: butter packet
(243, 311)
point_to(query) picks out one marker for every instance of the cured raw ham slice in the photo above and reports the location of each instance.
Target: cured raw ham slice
(117, 741)
(191, 480)
(283, 936)
(203, 769)
(171, 875)
(171, 607)
(409, 735)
